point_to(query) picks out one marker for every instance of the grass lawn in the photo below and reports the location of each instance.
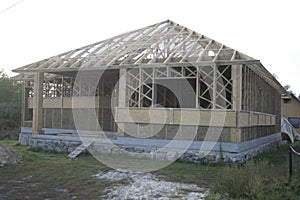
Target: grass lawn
(50, 175)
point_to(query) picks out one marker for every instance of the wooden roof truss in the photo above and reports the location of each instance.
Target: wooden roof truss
(165, 42)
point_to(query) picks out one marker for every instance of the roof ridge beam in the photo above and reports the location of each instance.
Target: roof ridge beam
(169, 43)
(170, 23)
(150, 49)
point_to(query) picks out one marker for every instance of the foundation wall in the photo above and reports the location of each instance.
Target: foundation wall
(151, 148)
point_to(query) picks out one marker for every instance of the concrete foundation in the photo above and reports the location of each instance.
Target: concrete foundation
(152, 148)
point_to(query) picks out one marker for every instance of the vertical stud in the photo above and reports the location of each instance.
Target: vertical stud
(37, 125)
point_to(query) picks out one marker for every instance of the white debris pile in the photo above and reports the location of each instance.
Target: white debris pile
(148, 186)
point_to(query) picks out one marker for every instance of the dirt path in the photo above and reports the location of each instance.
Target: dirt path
(8, 155)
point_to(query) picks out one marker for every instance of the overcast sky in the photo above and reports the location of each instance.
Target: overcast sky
(269, 31)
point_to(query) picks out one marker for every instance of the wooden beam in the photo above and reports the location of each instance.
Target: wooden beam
(214, 98)
(129, 66)
(216, 56)
(121, 99)
(157, 46)
(24, 106)
(236, 75)
(192, 48)
(197, 88)
(37, 124)
(130, 47)
(233, 55)
(204, 51)
(122, 88)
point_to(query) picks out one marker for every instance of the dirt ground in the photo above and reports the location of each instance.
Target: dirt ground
(8, 155)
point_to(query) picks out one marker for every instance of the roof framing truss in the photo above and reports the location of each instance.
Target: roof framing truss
(166, 42)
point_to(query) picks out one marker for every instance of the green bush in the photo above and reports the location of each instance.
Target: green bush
(10, 107)
(255, 180)
(11, 134)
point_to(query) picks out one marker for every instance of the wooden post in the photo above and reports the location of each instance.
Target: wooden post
(214, 95)
(24, 106)
(62, 102)
(197, 88)
(122, 88)
(154, 89)
(140, 88)
(37, 124)
(236, 76)
(290, 162)
(121, 98)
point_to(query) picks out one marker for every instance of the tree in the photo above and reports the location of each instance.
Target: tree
(289, 90)
(287, 87)
(275, 76)
(10, 106)
(10, 92)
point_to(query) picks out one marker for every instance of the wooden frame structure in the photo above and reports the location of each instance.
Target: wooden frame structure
(136, 65)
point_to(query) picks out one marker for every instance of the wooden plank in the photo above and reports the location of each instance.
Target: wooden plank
(233, 55)
(79, 149)
(179, 116)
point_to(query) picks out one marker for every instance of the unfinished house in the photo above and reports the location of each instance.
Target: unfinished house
(161, 82)
(290, 109)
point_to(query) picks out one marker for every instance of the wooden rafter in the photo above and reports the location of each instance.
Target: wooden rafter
(147, 45)
(133, 48)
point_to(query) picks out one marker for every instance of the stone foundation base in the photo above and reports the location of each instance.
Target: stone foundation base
(152, 148)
